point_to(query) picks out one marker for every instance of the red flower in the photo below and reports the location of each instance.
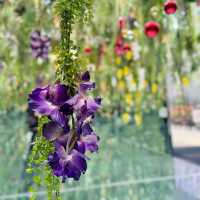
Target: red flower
(88, 50)
(151, 29)
(126, 47)
(121, 23)
(170, 7)
(119, 46)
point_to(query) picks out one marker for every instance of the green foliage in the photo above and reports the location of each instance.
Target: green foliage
(38, 166)
(77, 10)
(69, 68)
(69, 13)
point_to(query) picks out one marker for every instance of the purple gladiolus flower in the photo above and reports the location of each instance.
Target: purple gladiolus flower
(81, 99)
(53, 131)
(67, 165)
(48, 101)
(69, 128)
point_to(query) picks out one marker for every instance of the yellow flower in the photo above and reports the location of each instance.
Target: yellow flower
(129, 55)
(118, 60)
(185, 81)
(119, 73)
(129, 99)
(121, 85)
(126, 71)
(145, 83)
(138, 119)
(136, 33)
(138, 96)
(133, 82)
(154, 88)
(126, 118)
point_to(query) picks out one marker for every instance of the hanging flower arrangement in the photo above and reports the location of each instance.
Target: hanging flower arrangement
(170, 7)
(69, 127)
(151, 29)
(40, 45)
(127, 74)
(65, 110)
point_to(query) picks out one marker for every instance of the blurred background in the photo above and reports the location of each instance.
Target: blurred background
(150, 121)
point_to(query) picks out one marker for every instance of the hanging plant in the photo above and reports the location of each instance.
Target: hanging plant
(65, 110)
(170, 7)
(151, 29)
(40, 45)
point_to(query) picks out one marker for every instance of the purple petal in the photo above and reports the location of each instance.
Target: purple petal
(38, 102)
(60, 118)
(86, 129)
(61, 141)
(91, 142)
(86, 76)
(98, 100)
(62, 154)
(81, 147)
(52, 131)
(92, 105)
(79, 161)
(58, 94)
(66, 109)
(35, 44)
(77, 101)
(72, 172)
(35, 35)
(53, 161)
(44, 55)
(45, 39)
(87, 86)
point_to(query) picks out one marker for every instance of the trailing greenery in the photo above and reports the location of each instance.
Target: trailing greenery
(70, 12)
(38, 168)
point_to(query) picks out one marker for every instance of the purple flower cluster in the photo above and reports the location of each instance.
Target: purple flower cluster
(39, 45)
(69, 127)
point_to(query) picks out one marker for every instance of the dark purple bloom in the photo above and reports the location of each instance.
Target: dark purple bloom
(85, 76)
(67, 165)
(69, 127)
(40, 45)
(52, 131)
(88, 140)
(48, 101)
(81, 99)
